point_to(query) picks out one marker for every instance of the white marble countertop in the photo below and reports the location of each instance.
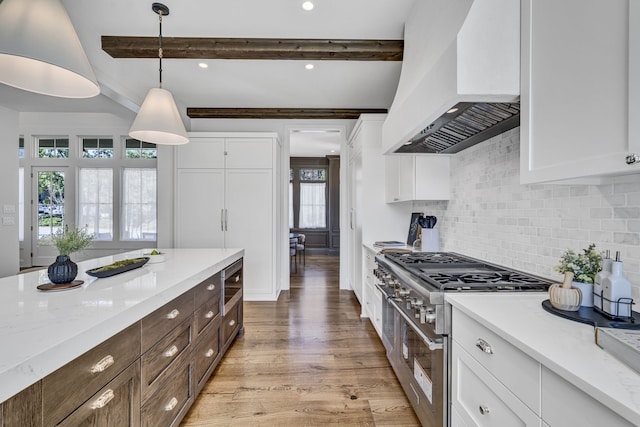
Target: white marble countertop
(565, 347)
(42, 331)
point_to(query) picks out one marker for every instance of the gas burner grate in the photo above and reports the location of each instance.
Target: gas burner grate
(430, 258)
(485, 280)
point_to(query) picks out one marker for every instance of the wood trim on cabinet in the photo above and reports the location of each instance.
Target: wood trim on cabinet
(254, 48)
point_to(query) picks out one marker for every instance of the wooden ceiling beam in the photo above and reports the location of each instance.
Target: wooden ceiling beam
(281, 113)
(252, 48)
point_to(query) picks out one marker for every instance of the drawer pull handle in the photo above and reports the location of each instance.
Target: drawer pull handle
(211, 287)
(173, 350)
(103, 364)
(237, 279)
(172, 404)
(484, 346)
(209, 353)
(173, 314)
(209, 314)
(484, 410)
(103, 400)
(232, 322)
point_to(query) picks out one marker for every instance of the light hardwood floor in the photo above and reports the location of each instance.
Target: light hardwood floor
(306, 360)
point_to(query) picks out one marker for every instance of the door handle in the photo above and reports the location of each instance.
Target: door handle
(221, 219)
(226, 220)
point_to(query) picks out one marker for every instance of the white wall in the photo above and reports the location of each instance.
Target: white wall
(527, 227)
(9, 133)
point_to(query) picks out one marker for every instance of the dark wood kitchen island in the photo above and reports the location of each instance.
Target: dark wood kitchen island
(132, 349)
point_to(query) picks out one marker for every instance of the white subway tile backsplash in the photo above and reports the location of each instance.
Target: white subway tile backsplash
(528, 227)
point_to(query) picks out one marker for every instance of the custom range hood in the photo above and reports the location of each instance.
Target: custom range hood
(460, 79)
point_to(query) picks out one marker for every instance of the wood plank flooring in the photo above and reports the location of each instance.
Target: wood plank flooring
(306, 360)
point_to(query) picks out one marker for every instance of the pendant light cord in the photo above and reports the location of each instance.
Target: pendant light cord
(160, 47)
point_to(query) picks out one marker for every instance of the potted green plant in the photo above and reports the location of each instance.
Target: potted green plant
(584, 267)
(63, 270)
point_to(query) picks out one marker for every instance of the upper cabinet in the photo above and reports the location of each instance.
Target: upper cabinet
(421, 177)
(580, 94)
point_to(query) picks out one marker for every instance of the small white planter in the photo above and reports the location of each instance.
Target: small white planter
(587, 293)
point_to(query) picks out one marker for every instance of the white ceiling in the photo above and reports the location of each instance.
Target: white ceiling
(231, 83)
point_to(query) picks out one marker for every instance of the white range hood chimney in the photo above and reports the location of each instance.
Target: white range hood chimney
(461, 54)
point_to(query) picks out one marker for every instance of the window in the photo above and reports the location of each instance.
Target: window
(138, 204)
(95, 202)
(53, 147)
(308, 190)
(135, 149)
(97, 148)
(21, 147)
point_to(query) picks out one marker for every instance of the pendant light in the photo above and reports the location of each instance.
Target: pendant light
(158, 120)
(40, 50)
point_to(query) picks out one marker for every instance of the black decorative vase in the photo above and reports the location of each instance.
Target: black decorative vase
(63, 270)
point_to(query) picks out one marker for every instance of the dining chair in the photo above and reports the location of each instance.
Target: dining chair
(300, 247)
(293, 253)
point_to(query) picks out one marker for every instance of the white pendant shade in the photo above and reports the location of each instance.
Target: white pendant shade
(40, 50)
(158, 120)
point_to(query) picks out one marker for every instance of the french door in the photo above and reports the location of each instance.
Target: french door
(51, 210)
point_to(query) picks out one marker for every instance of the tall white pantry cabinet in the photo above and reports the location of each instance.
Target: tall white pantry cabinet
(226, 196)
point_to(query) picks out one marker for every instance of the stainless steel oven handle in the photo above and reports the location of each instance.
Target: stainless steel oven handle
(433, 346)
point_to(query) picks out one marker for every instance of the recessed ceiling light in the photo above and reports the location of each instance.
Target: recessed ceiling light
(333, 151)
(452, 110)
(309, 66)
(307, 5)
(203, 65)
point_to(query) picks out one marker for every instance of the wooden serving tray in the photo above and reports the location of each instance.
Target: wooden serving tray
(97, 272)
(60, 286)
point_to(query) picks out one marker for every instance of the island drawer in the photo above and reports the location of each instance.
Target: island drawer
(160, 322)
(209, 289)
(516, 370)
(206, 313)
(117, 404)
(68, 387)
(206, 352)
(170, 403)
(231, 322)
(161, 356)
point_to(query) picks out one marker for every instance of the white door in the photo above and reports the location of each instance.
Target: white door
(250, 225)
(355, 226)
(51, 210)
(199, 208)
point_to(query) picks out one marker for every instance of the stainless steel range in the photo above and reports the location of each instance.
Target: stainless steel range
(416, 322)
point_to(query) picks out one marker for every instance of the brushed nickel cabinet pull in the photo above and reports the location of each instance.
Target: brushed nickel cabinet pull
(484, 346)
(484, 410)
(103, 400)
(103, 364)
(232, 322)
(173, 314)
(172, 404)
(209, 315)
(173, 350)
(237, 278)
(209, 353)
(211, 287)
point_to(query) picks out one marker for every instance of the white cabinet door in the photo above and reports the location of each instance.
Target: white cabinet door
(575, 97)
(563, 404)
(249, 153)
(250, 224)
(201, 153)
(417, 178)
(355, 226)
(199, 208)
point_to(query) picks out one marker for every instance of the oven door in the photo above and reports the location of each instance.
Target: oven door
(420, 364)
(388, 324)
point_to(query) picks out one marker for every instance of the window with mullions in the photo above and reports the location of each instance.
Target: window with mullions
(52, 147)
(313, 200)
(138, 218)
(97, 148)
(95, 201)
(135, 149)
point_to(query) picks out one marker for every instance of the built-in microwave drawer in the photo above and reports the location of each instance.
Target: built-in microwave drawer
(66, 389)
(167, 351)
(516, 370)
(160, 322)
(233, 281)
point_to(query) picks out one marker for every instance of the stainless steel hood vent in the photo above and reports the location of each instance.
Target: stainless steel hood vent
(464, 125)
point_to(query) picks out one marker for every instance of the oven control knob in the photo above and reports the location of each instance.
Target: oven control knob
(416, 302)
(427, 315)
(403, 292)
